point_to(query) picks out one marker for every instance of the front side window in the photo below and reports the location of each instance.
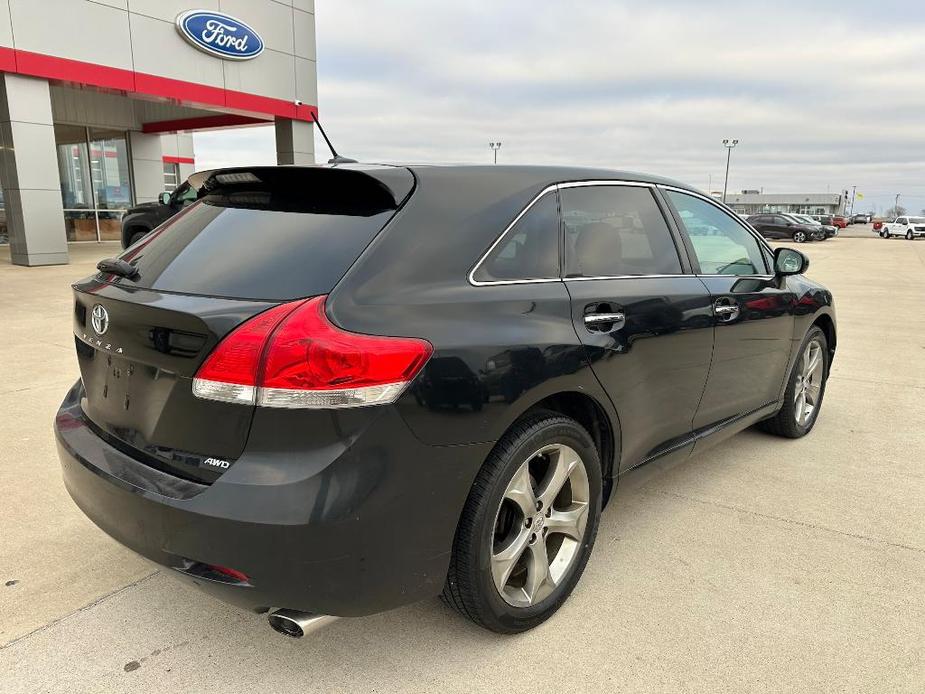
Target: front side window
(529, 250)
(728, 248)
(614, 231)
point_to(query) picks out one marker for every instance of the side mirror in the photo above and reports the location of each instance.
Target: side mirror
(164, 198)
(788, 261)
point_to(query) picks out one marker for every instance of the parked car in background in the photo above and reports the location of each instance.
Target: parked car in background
(779, 225)
(824, 219)
(878, 224)
(860, 219)
(296, 414)
(840, 221)
(830, 229)
(908, 227)
(141, 219)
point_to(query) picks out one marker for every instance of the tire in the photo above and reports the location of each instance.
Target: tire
(910, 236)
(786, 423)
(493, 539)
(137, 236)
(799, 237)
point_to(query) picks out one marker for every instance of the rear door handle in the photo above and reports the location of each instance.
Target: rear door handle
(726, 309)
(604, 322)
(596, 318)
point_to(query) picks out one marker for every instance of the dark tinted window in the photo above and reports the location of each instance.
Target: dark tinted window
(530, 250)
(280, 239)
(723, 246)
(186, 195)
(612, 231)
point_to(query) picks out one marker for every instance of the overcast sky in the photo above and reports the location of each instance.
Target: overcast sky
(822, 94)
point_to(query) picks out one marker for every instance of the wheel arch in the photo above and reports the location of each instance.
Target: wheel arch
(827, 325)
(593, 416)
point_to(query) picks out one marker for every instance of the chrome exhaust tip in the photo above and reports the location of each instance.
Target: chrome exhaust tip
(297, 624)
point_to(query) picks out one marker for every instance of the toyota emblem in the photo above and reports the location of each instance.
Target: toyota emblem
(99, 319)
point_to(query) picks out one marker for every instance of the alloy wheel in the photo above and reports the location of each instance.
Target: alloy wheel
(799, 237)
(540, 525)
(809, 383)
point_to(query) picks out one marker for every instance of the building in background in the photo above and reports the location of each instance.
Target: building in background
(98, 99)
(753, 202)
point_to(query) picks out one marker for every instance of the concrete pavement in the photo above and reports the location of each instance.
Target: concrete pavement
(761, 565)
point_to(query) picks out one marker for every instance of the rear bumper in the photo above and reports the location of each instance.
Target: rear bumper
(317, 523)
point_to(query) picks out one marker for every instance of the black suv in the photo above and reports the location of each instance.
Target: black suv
(782, 226)
(141, 219)
(323, 392)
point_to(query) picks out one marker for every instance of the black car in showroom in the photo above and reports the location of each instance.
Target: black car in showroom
(142, 219)
(326, 392)
(781, 226)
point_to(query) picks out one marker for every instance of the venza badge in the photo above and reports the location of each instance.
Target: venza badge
(219, 34)
(99, 319)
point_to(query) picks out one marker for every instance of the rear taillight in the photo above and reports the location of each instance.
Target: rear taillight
(293, 356)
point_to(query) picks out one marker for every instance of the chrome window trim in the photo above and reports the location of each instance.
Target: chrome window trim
(630, 277)
(595, 182)
(741, 277)
(490, 283)
(554, 187)
(762, 242)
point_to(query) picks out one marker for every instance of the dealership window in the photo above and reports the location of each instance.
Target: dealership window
(171, 176)
(96, 190)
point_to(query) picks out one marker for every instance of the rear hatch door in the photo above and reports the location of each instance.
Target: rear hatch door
(255, 239)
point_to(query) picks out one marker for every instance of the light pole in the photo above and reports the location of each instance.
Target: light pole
(896, 205)
(729, 145)
(495, 146)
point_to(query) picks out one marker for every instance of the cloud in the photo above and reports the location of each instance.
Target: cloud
(822, 95)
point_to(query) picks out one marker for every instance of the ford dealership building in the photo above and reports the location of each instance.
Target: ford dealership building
(98, 97)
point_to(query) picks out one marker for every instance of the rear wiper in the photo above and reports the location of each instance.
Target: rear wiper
(117, 266)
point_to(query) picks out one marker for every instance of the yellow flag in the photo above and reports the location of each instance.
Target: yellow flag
(860, 196)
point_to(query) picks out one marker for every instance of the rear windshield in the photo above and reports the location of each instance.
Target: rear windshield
(279, 239)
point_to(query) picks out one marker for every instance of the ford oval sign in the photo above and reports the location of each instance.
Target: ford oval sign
(219, 34)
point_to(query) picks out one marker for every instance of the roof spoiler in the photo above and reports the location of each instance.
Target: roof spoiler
(387, 186)
(363, 190)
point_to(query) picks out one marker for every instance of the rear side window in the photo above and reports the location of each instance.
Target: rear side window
(290, 235)
(530, 250)
(611, 231)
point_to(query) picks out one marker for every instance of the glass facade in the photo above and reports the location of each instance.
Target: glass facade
(171, 176)
(96, 189)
